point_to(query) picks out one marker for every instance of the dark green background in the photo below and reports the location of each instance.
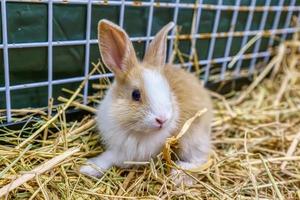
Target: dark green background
(27, 22)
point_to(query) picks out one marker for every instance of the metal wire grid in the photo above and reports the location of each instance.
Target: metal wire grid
(197, 7)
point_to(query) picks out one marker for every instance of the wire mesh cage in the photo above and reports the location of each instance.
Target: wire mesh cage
(49, 44)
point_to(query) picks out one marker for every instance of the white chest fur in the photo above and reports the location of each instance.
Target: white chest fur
(126, 145)
(132, 147)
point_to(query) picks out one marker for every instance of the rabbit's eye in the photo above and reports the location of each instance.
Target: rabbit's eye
(136, 95)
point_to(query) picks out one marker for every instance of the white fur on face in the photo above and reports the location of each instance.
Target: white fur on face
(158, 94)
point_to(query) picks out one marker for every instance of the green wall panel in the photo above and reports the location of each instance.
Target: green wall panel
(68, 61)
(28, 65)
(26, 22)
(69, 22)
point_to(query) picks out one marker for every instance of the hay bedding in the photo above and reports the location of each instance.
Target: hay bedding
(255, 135)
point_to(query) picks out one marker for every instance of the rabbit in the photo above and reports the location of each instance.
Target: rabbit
(148, 102)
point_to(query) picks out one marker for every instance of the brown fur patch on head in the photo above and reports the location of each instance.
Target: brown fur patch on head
(130, 81)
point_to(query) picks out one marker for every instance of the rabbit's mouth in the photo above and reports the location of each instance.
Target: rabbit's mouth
(160, 126)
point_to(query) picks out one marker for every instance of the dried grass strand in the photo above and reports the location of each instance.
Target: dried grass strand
(37, 171)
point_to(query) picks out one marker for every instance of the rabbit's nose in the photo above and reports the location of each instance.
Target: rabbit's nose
(160, 120)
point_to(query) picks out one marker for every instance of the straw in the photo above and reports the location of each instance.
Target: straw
(37, 171)
(172, 141)
(33, 135)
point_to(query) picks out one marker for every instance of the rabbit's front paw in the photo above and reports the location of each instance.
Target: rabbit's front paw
(90, 171)
(179, 177)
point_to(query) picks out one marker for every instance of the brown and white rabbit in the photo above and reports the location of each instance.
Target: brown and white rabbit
(148, 102)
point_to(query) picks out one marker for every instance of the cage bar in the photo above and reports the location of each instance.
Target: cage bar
(175, 16)
(87, 50)
(50, 48)
(258, 42)
(6, 61)
(55, 82)
(274, 26)
(212, 43)
(194, 31)
(288, 18)
(245, 37)
(229, 40)
(223, 59)
(122, 12)
(149, 26)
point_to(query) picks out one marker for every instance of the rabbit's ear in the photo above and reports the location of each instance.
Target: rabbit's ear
(115, 48)
(157, 50)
